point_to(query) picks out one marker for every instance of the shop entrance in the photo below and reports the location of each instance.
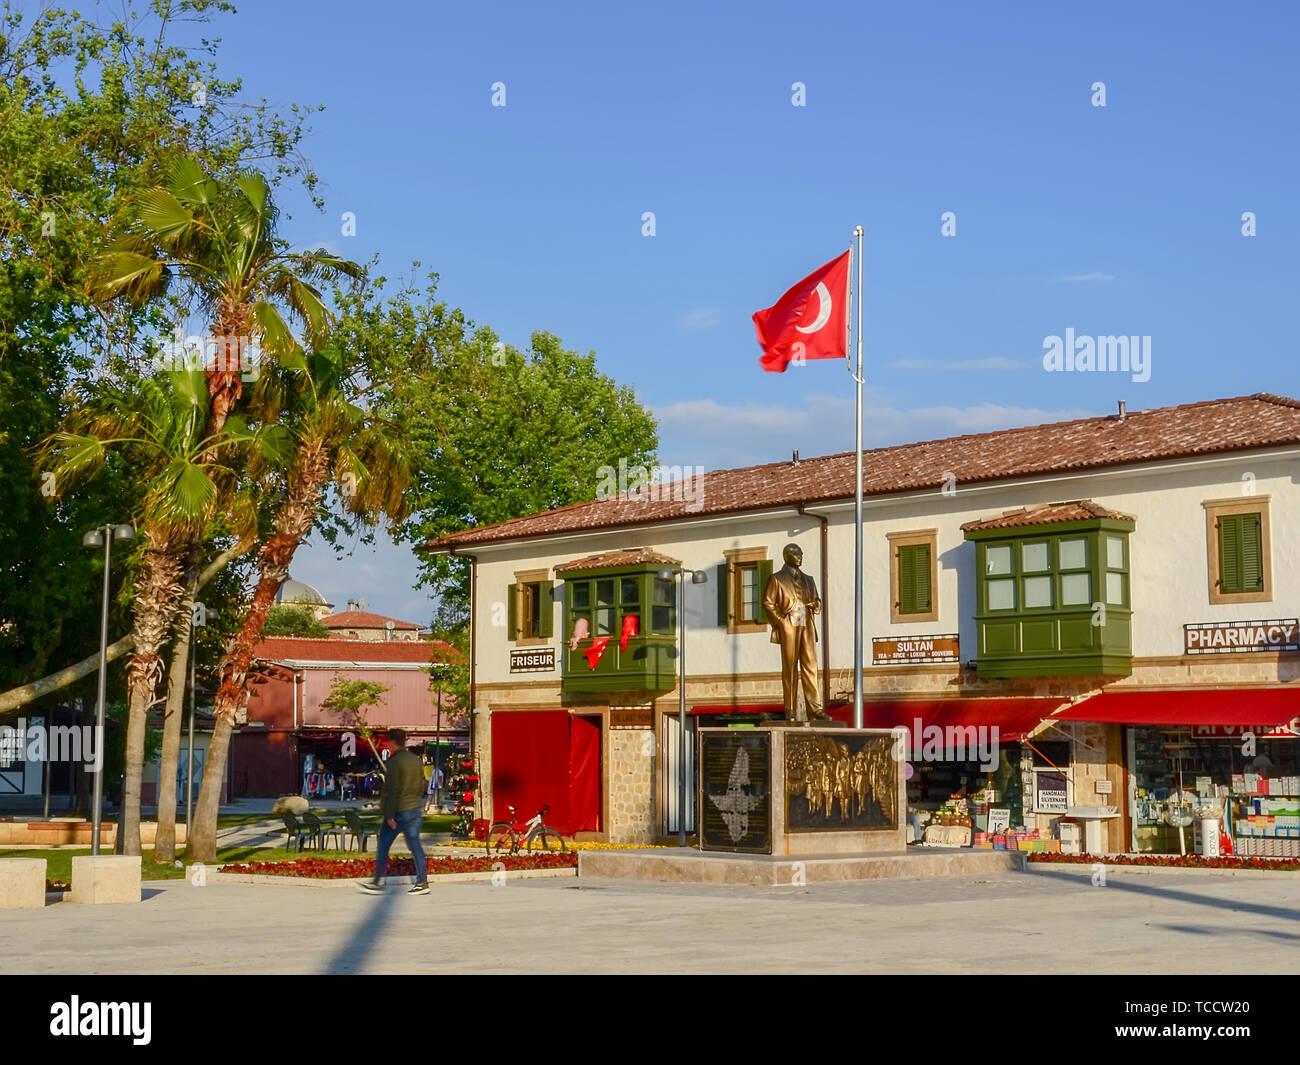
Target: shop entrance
(1249, 780)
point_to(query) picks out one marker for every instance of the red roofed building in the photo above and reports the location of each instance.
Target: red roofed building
(286, 722)
(357, 623)
(1117, 596)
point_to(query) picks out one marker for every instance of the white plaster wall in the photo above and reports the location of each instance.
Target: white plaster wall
(1169, 584)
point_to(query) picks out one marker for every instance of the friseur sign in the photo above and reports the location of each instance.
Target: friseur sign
(1234, 637)
(533, 660)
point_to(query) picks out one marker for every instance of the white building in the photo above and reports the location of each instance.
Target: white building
(1121, 592)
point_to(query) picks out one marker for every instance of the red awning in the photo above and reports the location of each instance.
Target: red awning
(1233, 706)
(1013, 717)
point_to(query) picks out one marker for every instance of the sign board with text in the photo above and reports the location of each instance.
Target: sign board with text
(532, 660)
(1234, 637)
(896, 650)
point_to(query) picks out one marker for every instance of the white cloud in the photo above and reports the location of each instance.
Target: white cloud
(1094, 276)
(716, 436)
(702, 318)
(993, 364)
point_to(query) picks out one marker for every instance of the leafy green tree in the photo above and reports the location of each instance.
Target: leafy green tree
(284, 620)
(352, 700)
(494, 433)
(91, 107)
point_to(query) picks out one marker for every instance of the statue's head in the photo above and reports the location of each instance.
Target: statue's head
(793, 555)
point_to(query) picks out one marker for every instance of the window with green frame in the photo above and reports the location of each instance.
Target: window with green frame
(1054, 573)
(1241, 553)
(528, 606)
(605, 600)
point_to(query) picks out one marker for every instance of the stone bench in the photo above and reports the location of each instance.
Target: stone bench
(22, 883)
(105, 878)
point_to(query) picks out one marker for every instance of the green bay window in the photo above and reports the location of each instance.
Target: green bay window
(612, 602)
(1053, 598)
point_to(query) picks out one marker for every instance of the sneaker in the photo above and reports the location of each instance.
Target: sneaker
(371, 888)
(418, 889)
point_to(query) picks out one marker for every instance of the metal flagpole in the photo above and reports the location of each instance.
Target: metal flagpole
(857, 509)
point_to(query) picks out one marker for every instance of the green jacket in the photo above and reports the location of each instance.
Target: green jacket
(403, 785)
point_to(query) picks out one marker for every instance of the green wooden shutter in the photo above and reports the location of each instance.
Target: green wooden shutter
(1252, 553)
(921, 554)
(545, 609)
(906, 580)
(764, 573)
(512, 612)
(1230, 554)
(724, 595)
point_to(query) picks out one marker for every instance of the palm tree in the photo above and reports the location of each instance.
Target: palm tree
(220, 238)
(161, 424)
(336, 439)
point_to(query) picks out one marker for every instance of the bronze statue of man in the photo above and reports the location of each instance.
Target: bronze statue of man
(791, 601)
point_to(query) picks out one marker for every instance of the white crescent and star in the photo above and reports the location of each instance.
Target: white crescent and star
(823, 310)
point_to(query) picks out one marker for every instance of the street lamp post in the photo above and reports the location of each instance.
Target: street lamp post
(698, 576)
(102, 537)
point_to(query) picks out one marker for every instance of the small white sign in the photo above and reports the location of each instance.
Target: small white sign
(1103, 787)
(999, 820)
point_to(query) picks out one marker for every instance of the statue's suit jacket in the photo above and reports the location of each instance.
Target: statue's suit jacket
(779, 599)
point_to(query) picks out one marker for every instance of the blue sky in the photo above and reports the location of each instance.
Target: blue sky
(1123, 219)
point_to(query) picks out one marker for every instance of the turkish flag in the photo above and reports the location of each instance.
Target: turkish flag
(808, 322)
(596, 649)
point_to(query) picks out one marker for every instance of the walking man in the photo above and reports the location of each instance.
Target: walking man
(401, 809)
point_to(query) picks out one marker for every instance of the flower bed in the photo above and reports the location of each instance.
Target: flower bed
(357, 868)
(56, 885)
(569, 845)
(1173, 861)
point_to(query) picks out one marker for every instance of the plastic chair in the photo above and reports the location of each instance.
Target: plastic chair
(357, 829)
(296, 832)
(322, 831)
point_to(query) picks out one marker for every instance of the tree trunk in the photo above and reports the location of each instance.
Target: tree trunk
(164, 849)
(157, 591)
(293, 520)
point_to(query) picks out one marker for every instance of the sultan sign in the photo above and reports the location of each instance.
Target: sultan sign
(1228, 637)
(890, 649)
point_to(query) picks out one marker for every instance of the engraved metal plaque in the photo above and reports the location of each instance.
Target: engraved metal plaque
(735, 805)
(837, 782)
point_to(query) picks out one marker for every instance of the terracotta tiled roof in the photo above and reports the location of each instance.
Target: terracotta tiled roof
(1211, 427)
(632, 557)
(1080, 510)
(330, 649)
(362, 619)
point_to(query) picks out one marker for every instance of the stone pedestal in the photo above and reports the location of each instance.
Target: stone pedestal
(22, 883)
(105, 878)
(801, 791)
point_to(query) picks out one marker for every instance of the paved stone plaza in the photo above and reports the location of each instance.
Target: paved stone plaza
(1039, 921)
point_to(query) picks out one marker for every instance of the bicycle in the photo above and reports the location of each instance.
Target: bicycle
(534, 834)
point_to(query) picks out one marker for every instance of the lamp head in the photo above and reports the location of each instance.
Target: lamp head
(665, 574)
(699, 576)
(123, 532)
(94, 538)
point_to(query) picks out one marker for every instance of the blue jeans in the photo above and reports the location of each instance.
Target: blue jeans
(408, 824)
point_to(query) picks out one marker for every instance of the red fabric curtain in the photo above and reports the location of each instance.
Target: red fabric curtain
(584, 775)
(530, 764)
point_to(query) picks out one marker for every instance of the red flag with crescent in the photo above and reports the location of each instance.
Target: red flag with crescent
(810, 321)
(596, 649)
